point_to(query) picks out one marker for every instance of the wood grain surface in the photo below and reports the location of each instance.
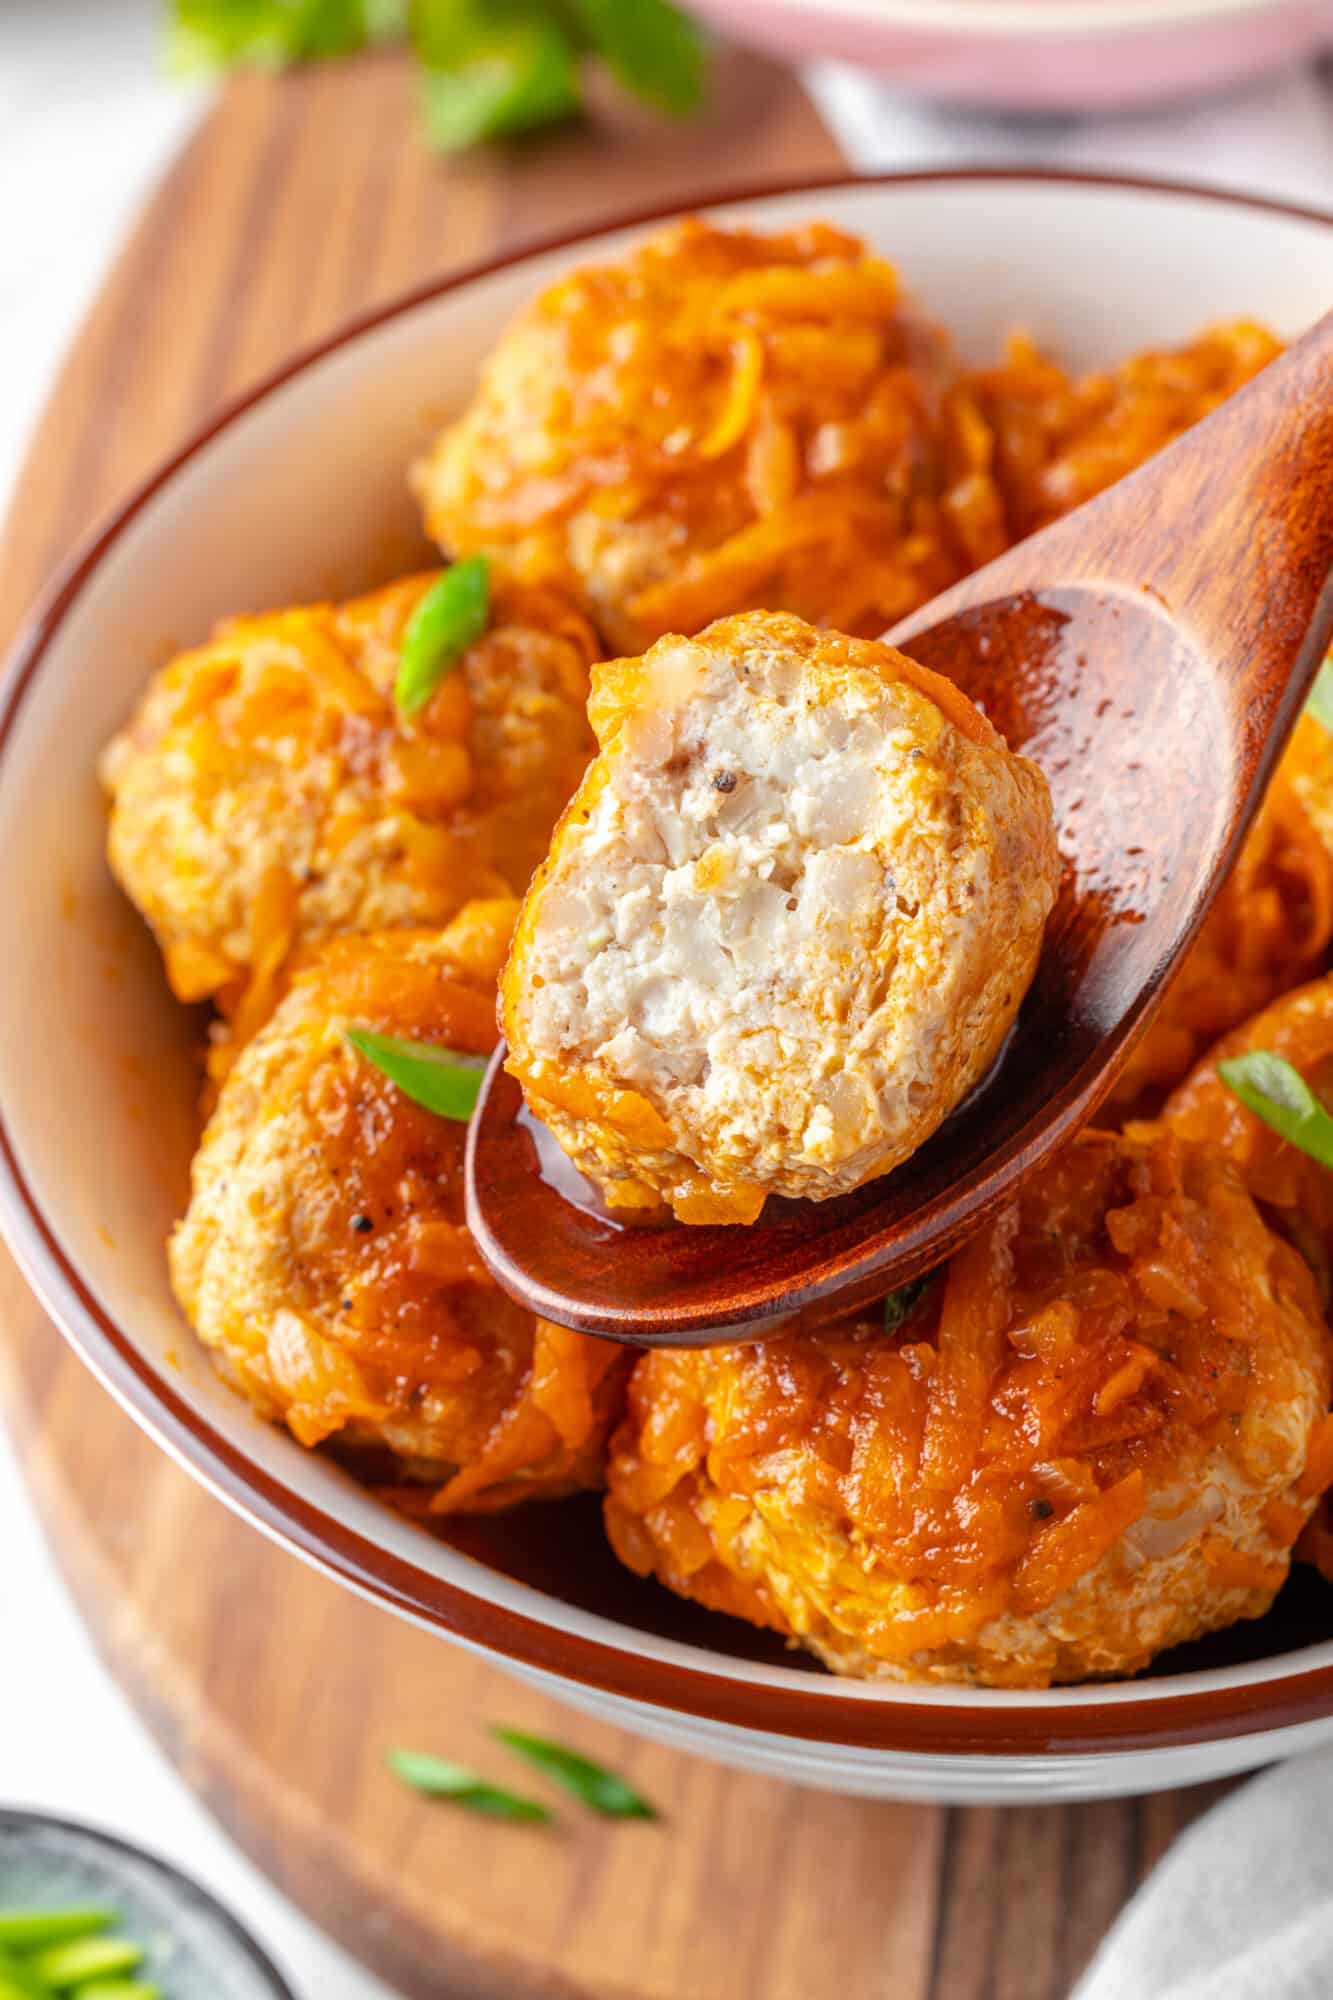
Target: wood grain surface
(277, 1693)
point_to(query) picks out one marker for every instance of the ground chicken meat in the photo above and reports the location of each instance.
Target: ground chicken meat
(266, 792)
(723, 421)
(1095, 1434)
(784, 925)
(324, 1262)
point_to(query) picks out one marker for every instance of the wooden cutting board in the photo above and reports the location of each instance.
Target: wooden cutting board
(302, 199)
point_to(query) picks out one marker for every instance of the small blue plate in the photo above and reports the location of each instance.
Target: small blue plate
(195, 1949)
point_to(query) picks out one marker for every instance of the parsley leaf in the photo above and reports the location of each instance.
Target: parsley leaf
(650, 47)
(487, 68)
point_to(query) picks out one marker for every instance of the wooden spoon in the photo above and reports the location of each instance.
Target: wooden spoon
(1151, 652)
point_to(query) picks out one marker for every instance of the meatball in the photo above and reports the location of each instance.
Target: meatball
(324, 1261)
(785, 922)
(1269, 929)
(1291, 1188)
(1059, 440)
(723, 421)
(266, 792)
(1096, 1433)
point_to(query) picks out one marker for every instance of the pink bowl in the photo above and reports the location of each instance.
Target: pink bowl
(1072, 55)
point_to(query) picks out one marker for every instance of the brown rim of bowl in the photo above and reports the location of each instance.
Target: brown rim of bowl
(891, 1720)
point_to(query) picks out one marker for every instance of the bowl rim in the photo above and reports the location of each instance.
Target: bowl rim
(873, 1716)
(14, 1819)
(995, 20)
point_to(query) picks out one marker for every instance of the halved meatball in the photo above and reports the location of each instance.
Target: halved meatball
(324, 1260)
(785, 922)
(723, 421)
(1096, 1433)
(267, 792)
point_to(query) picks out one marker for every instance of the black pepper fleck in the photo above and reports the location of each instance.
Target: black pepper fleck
(1040, 1510)
(362, 1224)
(724, 781)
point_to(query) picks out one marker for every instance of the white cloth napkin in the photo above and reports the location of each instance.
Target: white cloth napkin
(1242, 1906)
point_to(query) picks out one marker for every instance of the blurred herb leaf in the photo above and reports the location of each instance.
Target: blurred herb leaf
(488, 68)
(650, 47)
(224, 34)
(511, 79)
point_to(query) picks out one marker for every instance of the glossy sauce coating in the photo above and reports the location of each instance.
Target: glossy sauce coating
(1085, 1442)
(324, 1259)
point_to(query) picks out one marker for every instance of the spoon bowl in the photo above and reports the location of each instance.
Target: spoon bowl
(1150, 652)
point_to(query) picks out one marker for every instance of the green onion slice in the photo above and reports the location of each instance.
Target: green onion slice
(590, 1783)
(1320, 699)
(119, 1989)
(1273, 1090)
(438, 1079)
(898, 1305)
(452, 616)
(437, 1778)
(25, 1930)
(17, 1982)
(84, 1959)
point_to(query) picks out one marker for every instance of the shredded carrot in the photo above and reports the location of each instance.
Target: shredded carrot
(1237, 1569)
(1069, 1548)
(733, 419)
(970, 1348)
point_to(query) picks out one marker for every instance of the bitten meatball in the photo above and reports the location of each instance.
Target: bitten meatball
(1269, 929)
(267, 792)
(723, 421)
(1293, 1189)
(1096, 1433)
(784, 925)
(324, 1261)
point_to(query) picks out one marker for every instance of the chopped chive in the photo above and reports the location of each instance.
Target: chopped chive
(24, 1930)
(17, 1982)
(1273, 1090)
(898, 1305)
(74, 1964)
(437, 1778)
(590, 1783)
(1320, 698)
(452, 616)
(119, 1989)
(437, 1079)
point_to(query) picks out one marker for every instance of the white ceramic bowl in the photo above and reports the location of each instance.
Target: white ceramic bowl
(1052, 55)
(300, 491)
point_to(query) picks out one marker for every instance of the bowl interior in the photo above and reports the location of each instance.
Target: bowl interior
(302, 494)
